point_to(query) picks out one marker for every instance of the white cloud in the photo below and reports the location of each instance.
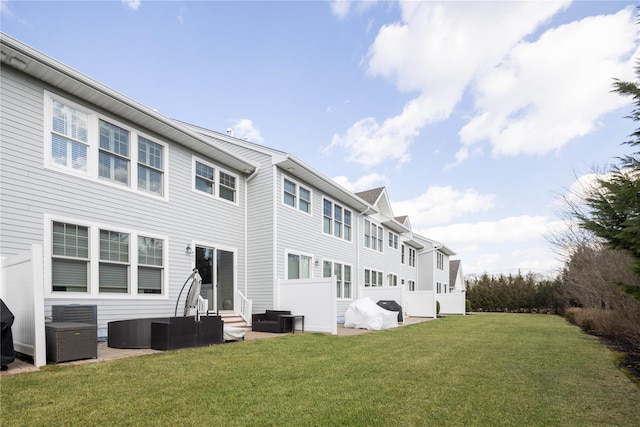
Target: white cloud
(131, 4)
(546, 92)
(366, 182)
(437, 50)
(440, 205)
(511, 229)
(341, 8)
(244, 129)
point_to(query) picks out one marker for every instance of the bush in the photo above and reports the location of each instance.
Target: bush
(437, 307)
(467, 306)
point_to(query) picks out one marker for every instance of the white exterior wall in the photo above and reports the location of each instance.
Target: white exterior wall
(32, 195)
(302, 234)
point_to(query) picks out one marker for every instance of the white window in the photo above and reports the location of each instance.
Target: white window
(214, 181)
(86, 143)
(342, 273)
(113, 157)
(412, 257)
(150, 166)
(298, 266)
(150, 265)
(373, 236)
(336, 220)
(227, 187)
(296, 196)
(114, 262)
(412, 285)
(373, 278)
(69, 258)
(393, 240)
(438, 287)
(92, 260)
(69, 137)
(392, 279)
(440, 260)
(402, 253)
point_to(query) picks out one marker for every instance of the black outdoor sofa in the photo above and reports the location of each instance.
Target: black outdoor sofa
(272, 321)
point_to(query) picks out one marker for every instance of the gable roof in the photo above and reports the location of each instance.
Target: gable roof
(44, 68)
(371, 196)
(378, 198)
(454, 265)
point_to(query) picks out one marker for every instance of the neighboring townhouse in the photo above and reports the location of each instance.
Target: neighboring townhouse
(123, 201)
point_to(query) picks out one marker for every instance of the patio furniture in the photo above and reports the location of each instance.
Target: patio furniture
(67, 341)
(184, 332)
(293, 318)
(131, 333)
(165, 333)
(272, 321)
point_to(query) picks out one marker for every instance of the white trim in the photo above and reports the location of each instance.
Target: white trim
(93, 291)
(333, 263)
(344, 209)
(216, 181)
(288, 252)
(297, 195)
(93, 148)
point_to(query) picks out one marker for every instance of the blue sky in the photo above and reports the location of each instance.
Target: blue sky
(476, 116)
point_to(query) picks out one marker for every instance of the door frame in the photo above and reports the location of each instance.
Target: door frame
(199, 243)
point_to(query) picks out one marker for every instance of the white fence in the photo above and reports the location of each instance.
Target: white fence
(21, 288)
(313, 298)
(452, 303)
(420, 304)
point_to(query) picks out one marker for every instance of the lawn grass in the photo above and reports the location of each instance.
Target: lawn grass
(480, 370)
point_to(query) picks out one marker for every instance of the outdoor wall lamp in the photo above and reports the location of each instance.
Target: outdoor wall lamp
(188, 249)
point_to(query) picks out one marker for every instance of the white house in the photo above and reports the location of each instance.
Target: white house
(112, 204)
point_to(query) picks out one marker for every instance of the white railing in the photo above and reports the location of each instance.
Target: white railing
(245, 307)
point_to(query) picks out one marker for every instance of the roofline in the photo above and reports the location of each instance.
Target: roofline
(355, 201)
(59, 69)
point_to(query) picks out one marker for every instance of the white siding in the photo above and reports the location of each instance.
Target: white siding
(30, 191)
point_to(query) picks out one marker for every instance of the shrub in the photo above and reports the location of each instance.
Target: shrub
(437, 307)
(467, 305)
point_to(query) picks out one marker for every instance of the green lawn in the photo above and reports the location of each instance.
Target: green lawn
(477, 370)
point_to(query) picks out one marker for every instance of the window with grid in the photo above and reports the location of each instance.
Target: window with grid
(440, 260)
(412, 257)
(69, 137)
(393, 279)
(150, 265)
(205, 178)
(296, 196)
(87, 144)
(343, 277)
(373, 236)
(298, 266)
(402, 253)
(150, 166)
(114, 262)
(372, 278)
(393, 240)
(113, 157)
(412, 285)
(336, 220)
(70, 257)
(227, 187)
